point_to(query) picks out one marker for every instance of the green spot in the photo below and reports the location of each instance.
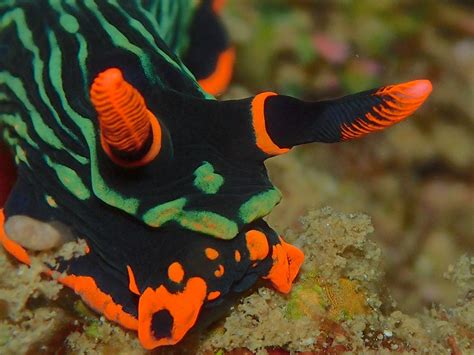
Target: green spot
(166, 212)
(259, 205)
(206, 180)
(25, 35)
(51, 201)
(70, 180)
(69, 23)
(209, 223)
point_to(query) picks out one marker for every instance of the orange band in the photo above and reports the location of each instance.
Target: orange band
(218, 81)
(149, 156)
(264, 142)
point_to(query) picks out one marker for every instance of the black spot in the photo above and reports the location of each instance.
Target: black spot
(161, 324)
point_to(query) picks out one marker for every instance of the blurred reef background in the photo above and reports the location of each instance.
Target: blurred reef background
(390, 264)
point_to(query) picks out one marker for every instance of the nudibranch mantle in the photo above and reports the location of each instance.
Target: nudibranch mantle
(107, 108)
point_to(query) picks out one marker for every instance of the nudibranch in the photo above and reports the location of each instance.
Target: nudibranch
(108, 111)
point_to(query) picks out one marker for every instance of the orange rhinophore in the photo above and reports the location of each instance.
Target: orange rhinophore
(398, 102)
(287, 260)
(130, 133)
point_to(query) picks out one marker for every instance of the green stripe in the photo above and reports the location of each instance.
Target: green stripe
(21, 129)
(26, 37)
(205, 222)
(71, 25)
(55, 75)
(44, 131)
(120, 40)
(70, 180)
(162, 26)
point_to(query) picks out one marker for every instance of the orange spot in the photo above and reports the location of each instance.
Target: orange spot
(101, 302)
(218, 81)
(237, 256)
(287, 261)
(213, 295)
(183, 307)
(176, 272)
(399, 102)
(125, 122)
(263, 140)
(257, 244)
(87, 249)
(220, 271)
(211, 254)
(218, 5)
(15, 249)
(132, 283)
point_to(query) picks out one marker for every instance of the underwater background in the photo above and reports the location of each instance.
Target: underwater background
(390, 262)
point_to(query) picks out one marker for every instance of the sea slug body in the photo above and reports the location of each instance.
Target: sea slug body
(108, 110)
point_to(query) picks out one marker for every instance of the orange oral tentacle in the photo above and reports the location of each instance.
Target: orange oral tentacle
(287, 261)
(183, 307)
(125, 122)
